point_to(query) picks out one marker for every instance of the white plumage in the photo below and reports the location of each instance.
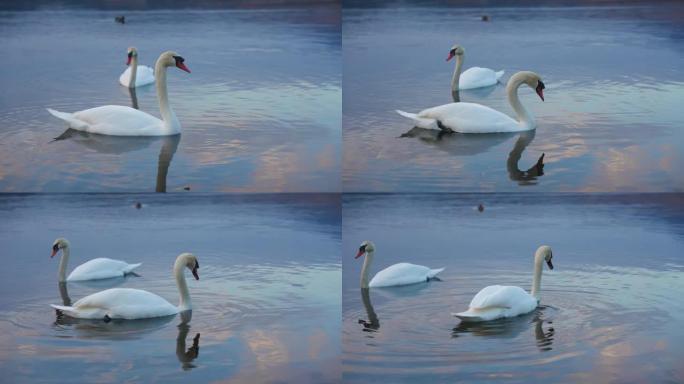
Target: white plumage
(101, 268)
(465, 118)
(497, 301)
(144, 76)
(403, 274)
(477, 77)
(119, 303)
(114, 120)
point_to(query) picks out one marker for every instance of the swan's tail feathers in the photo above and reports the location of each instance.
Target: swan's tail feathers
(81, 312)
(499, 75)
(131, 267)
(481, 314)
(420, 122)
(69, 118)
(434, 272)
(69, 311)
(62, 308)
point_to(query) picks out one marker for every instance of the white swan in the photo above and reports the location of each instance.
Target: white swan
(128, 303)
(118, 120)
(136, 75)
(397, 274)
(498, 301)
(100, 268)
(472, 78)
(476, 118)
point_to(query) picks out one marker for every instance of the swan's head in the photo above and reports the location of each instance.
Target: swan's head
(534, 81)
(456, 50)
(190, 262)
(60, 243)
(172, 59)
(545, 252)
(365, 247)
(132, 52)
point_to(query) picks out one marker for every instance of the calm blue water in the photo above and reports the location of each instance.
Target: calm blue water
(266, 307)
(611, 308)
(261, 110)
(611, 121)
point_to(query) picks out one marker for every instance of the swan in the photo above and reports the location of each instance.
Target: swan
(128, 303)
(117, 120)
(499, 301)
(136, 75)
(476, 118)
(100, 268)
(397, 274)
(474, 77)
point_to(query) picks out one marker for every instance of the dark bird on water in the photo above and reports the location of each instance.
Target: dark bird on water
(187, 187)
(485, 18)
(480, 207)
(120, 19)
(138, 205)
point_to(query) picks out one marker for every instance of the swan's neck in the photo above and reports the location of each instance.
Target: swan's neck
(523, 116)
(536, 281)
(365, 269)
(171, 122)
(63, 264)
(457, 73)
(134, 71)
(372, 316)
(185, 302)
(64, 293)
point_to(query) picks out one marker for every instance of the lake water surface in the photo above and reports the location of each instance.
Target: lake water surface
(266, 307)
(261, 110)
(611, 310)
(611, 121)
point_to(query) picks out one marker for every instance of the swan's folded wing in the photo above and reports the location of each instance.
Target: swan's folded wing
(81, 312)
(400, 274)
(100, 268)
(127, 303)
(476, 77)
(119, 120)
(497, 296)
(473, 118)
(144, 76)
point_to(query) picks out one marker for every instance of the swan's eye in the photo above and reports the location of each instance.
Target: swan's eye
(130, 54)
(179, 59)
(55, 247)
(541, 85)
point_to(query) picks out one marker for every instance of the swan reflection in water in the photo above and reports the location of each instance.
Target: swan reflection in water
(510, 328)
(121, 144)
(186, 357)
(373, 323)
(459, 144)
